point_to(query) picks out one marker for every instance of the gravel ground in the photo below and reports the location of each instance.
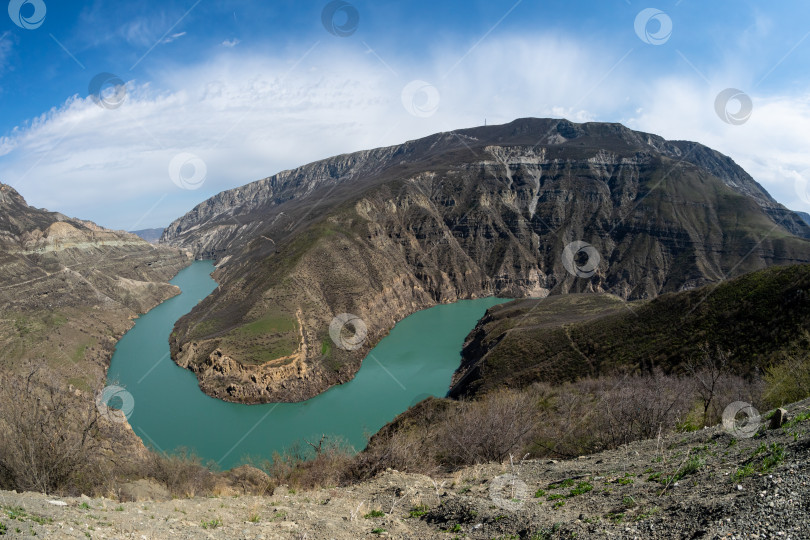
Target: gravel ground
(705, 484)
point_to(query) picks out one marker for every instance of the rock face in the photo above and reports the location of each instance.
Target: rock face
(503, 210)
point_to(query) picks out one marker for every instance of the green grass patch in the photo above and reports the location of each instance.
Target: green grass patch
(582, 487)
(269, 324)
(568, 482)
(374, 514)
(213, 524)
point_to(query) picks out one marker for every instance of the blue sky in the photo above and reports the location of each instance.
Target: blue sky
(218, 94)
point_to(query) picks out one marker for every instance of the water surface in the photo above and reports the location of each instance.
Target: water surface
(415, 360)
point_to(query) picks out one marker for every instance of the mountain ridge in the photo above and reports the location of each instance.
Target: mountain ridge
(477, 212)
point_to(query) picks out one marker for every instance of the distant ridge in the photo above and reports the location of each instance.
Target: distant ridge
(150, 235)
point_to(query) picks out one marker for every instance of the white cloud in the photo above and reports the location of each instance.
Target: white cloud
(173, 37)
(771, 145)
(6, 46)
(230, 43)
(248, 117)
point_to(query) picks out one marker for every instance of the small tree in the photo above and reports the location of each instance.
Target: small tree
(708, 371)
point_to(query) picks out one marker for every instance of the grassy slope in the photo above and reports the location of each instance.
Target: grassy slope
(759, 317)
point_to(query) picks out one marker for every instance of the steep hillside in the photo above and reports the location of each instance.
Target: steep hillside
(484, 211)
(760, 318)
(68, 291)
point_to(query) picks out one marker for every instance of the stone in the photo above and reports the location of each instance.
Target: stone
(779, 418)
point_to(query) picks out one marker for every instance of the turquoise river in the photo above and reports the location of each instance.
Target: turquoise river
(415, 360)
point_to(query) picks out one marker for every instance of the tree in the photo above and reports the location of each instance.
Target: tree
(708, 370)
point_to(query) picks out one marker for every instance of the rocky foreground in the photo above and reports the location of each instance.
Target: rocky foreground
(712, 483)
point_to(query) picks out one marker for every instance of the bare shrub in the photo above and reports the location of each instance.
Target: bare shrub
(486, 430)
(638, 407)
(183, 473)
(46, 438)
(709, 371)
(409, 450)
(297, 467)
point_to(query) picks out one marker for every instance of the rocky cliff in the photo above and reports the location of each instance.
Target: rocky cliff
(530, 208)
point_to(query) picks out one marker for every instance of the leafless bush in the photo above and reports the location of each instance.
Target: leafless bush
(709, 372)
(46, 438)
(638, 407)
(486, 430)
(403, 450)
(183, 473)
(327, 466)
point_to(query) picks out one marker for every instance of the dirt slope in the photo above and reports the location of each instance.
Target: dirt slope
(736, 487)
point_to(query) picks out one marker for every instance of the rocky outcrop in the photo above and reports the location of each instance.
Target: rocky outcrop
(485, 211)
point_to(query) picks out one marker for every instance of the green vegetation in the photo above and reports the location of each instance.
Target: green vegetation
(374, 514)
(271, 337)
(760, 318)
(789, 379)
(615, 517)
(691, 466)
(81, 350)
(269, 324)
(568, 482)
(213, 524)
(418, 511)
(772, 455)
(582, 487)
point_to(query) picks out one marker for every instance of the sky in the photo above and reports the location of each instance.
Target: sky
(131, 113)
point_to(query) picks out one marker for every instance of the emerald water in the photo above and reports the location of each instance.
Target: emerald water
(415, 360)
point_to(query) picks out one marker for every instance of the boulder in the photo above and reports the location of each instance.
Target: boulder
(779, 418)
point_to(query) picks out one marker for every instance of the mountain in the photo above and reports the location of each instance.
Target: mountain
(760, 319)
(805, 216)
(475, 212)
(150, 235)
(69, 289)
